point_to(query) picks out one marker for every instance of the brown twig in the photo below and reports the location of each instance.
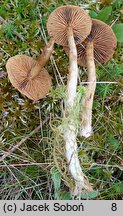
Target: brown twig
(106, 166)
(24, 164)
(4, 22)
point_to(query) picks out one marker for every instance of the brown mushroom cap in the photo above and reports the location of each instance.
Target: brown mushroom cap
(18, 68)
(104, 41)
(66, 16)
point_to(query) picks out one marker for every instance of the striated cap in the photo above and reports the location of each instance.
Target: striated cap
(18, 68)
(66, 16)
(104, 41)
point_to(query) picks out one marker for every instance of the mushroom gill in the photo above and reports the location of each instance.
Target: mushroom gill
(18, 69)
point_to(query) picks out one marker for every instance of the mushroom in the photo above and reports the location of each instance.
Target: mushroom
(29, 76)
(18, 69)
(70, 25)
(98, 48)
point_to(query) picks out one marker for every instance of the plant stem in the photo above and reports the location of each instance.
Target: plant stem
(70, 130)
(87, 102)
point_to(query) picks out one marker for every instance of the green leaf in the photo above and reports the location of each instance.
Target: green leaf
(105, 14)
(64, 195)
(56, 177)
(118, 30)
(90, 195)
(92, 14)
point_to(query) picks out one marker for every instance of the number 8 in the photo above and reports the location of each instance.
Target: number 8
(114, 207)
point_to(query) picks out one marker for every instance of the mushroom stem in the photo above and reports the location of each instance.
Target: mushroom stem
(42, 59)
(73, 70)
(87, 102)
(70, 130)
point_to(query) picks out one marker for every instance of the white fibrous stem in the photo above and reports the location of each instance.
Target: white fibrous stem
(70, 130)
(87, 102)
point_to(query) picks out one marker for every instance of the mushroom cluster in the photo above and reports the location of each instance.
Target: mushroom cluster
(87, 42)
